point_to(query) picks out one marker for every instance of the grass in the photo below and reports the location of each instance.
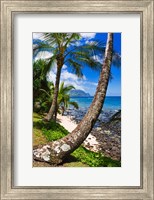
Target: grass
(44, 132)
(75, 164)
(38, 137)
(94, 159)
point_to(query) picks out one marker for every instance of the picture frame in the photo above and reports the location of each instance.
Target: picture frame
(8, 11)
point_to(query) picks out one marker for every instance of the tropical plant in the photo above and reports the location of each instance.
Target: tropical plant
(58, 150)
(64, 97)
(65, 50)
(39, 77)
(63, 101)
(39, 81)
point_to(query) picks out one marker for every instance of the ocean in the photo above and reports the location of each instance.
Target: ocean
(111, 105)
(111, 102)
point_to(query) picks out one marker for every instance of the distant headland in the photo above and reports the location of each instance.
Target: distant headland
(79, 93)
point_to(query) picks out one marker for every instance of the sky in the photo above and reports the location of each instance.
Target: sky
(90, 77)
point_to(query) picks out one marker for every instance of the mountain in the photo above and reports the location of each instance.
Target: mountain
(79, 93)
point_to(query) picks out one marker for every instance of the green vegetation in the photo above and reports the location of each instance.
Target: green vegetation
(39, 81)
(81, 157)
(38, 137)
(94, 159)
(65, 53)
(63, 100)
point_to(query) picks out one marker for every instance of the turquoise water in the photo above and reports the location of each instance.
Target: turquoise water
(111, 102)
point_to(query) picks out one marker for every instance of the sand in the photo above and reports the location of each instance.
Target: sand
(66, 122)
(90, 143)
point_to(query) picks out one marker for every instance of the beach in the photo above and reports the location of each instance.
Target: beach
(104, 137)
(70, 125)
(66, 122)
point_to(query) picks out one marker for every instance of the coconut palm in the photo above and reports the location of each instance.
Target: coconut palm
(63, 100)
(56, 152)
(65, 50)
(64, 97)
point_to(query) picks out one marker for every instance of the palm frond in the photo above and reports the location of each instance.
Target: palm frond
(76, 67)
(91, 49)
(83, 60)
(41, 46)
(50, 38)
(50, 63)
(73, 37)
(74, 104)
(110, 76)
(68, 88)
(116, 59)
(45, 92)
(65, 89)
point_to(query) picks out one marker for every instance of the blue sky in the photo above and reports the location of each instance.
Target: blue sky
(90, 79)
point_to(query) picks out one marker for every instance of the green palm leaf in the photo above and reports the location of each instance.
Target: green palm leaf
(73, 103)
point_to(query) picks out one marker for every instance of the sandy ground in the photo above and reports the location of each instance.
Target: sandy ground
(66, 122)
(90, 142)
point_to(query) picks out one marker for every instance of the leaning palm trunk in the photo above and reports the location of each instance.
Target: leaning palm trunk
(55, 152)
(53, 109)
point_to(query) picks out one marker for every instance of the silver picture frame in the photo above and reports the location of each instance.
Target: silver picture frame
(8, 10)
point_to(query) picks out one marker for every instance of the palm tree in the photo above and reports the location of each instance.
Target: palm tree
(65, 52)
(57, 151)
(63, 101)
(64, 97)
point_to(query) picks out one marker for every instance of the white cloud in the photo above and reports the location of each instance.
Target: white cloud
(77, 43)
(37, 35)
(51, 77)
(64, 67)
(71, 79)
(88, 35)
(76, 84)
(43, 55)
(84, 35)
(91, 83)
(67, 75)
(98, 58)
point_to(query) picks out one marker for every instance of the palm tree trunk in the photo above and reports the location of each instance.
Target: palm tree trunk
(58, 150)
(53, 108)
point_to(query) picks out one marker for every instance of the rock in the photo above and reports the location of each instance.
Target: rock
(91, 143)
(105, 137)
(98, 128)
(42, 154)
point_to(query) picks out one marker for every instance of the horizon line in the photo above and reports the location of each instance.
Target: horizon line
(94, 95)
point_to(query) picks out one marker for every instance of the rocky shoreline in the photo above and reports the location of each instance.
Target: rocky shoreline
(106, 134)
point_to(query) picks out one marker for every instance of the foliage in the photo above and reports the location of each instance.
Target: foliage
(63, 96)
(74, 53)
(94, 159)
(66, 48)
(54, 131)
(38, 137)
(39, 81)
(36, 117)
(51, 130)
(39, 77)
